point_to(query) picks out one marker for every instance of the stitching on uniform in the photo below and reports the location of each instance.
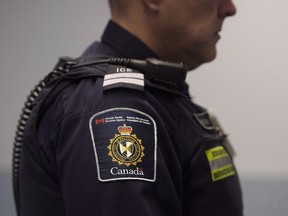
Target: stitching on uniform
(95, 150)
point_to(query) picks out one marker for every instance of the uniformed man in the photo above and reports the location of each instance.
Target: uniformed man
(112, 140)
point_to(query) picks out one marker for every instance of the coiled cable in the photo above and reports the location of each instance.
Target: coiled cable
(153, 67)
(63, 67)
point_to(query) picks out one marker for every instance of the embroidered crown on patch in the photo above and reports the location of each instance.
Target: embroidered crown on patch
(125, 130)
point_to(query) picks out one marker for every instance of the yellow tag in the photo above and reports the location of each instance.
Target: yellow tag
(220, 163)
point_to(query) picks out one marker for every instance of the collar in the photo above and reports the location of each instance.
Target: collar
(118, 42)
(126, 44)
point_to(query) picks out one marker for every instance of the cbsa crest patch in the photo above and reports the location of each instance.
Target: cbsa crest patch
(125, 144)
(125, 148)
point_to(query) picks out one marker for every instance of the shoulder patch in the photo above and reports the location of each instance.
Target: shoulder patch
(220, 163)
(125, 144)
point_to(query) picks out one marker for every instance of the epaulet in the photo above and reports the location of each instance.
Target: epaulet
(123, 77)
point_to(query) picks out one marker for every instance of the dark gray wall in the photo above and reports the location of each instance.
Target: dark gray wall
(246, 86)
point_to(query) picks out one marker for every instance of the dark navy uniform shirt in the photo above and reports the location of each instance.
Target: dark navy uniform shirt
(124, 143)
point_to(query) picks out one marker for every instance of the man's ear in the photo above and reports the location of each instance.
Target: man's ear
(153, 5)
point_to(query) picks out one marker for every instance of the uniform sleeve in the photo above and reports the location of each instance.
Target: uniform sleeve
(116, 158)
(210, 182)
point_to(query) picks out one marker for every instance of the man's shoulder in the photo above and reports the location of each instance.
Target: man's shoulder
(86, 86)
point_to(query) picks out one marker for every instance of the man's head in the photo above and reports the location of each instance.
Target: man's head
(177, 30)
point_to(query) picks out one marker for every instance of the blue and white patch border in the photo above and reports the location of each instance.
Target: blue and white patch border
(95, 149)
